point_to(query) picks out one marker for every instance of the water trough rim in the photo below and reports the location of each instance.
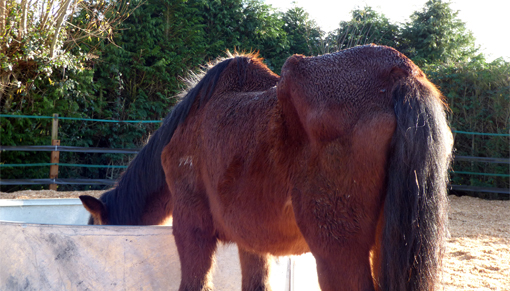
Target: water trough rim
(22, 224)
(40, 202)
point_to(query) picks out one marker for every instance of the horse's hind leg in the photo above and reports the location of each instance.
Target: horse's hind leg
(255, 271)
(340, 239)
(196, 242)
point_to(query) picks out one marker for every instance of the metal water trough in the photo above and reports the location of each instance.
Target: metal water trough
(49, 211)
(68, 256)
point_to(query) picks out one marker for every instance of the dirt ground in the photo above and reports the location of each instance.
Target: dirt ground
(478, 250)
(477, 255)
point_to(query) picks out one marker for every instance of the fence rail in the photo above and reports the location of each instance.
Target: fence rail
(79, 119)
(483, 160)
(159, 121)
(57, 181)
(49, 148)
(480, 189)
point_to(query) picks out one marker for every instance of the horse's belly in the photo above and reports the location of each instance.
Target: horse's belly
(262, 228)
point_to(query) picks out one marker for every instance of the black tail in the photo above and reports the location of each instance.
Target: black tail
(416, 203)
(145, 175)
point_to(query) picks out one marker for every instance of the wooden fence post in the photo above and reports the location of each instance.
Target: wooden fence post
(55, 155)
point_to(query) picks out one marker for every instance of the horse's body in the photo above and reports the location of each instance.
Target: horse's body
(345, 156)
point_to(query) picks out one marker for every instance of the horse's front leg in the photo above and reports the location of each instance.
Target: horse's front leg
(196, 242)
(255, 270)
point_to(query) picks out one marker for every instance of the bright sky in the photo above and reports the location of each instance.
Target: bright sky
(488, 19)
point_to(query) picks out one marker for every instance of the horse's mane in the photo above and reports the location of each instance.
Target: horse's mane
(242, 61)
(145, 176)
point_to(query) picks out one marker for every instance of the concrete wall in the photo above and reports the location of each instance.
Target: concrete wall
(36, 256)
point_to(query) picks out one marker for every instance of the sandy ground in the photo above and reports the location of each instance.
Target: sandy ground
(477, 255)
(31, 194)
(478, 251)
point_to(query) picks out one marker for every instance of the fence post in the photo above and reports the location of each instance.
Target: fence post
(55, 155)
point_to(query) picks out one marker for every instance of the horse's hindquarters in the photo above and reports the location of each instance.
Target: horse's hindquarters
(338, 201)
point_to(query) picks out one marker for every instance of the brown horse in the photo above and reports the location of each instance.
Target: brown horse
(345, 155)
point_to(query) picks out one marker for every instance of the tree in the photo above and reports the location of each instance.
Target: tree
(159, 43)
(435, 34)
(244, 25)
(478, 94)
(304, 35)
(366, 26)
(262, 29)
(37, 36)
(43, 70)
(222, 25)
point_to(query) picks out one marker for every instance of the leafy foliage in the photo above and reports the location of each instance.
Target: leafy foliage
(245, 26)
(437, 35)
(113, 62)
(366, 26)
(304, 35)
(478, 94)
(32, 83)
(26, 58)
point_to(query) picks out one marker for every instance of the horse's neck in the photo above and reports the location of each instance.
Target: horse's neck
(143, 180)
(158, 208)
(125, 207)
